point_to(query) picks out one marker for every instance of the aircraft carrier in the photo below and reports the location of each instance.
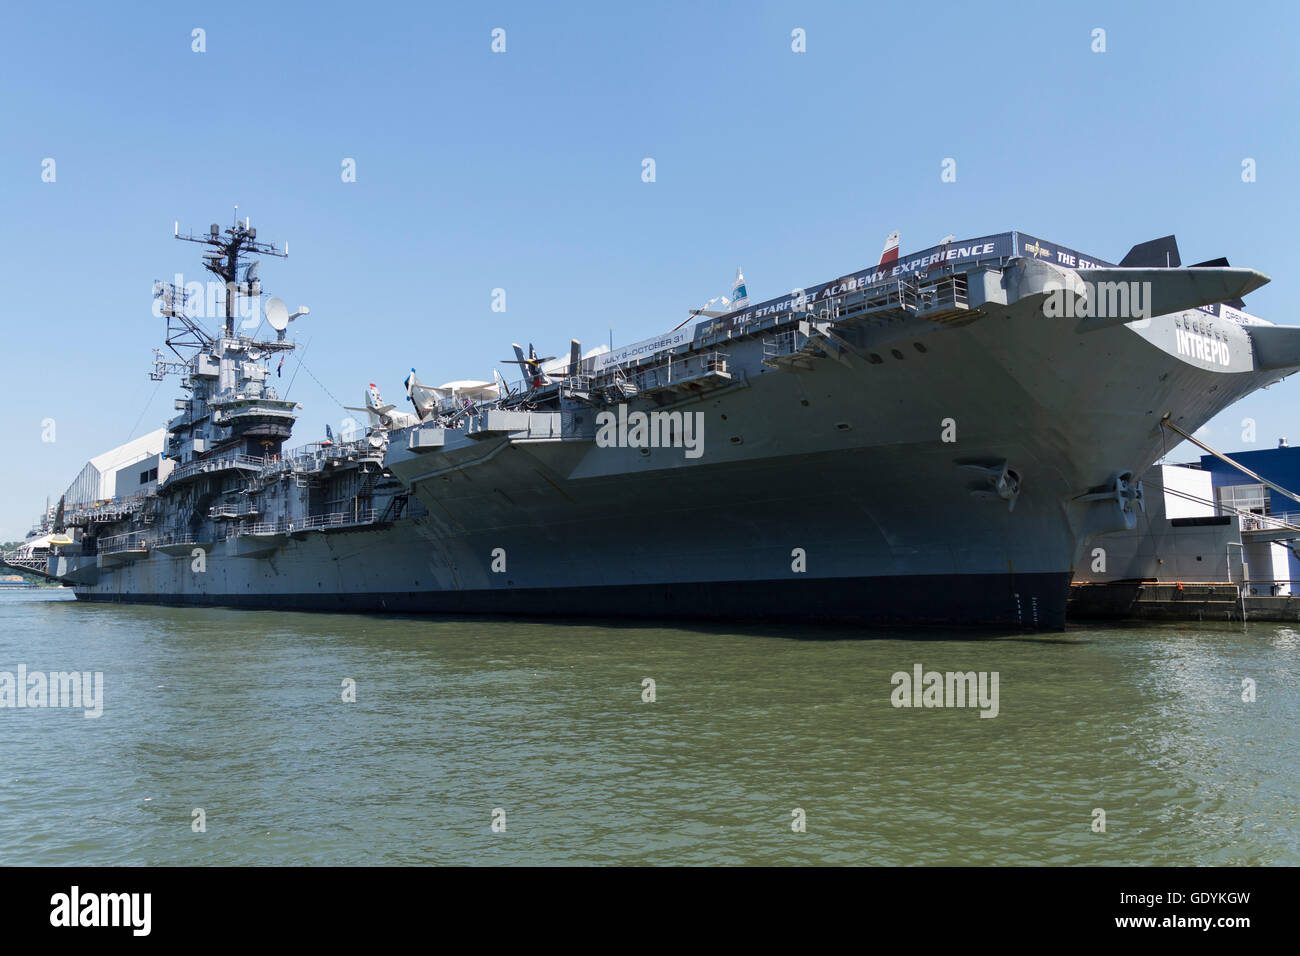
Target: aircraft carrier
(934, 439)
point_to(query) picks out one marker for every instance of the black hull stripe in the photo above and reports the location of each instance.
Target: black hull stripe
(1021, 601)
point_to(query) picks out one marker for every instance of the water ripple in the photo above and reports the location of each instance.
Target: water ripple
(242, 714)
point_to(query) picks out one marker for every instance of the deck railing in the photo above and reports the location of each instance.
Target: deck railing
(131, 541)
(1287, 521)
(338, 519)
(205, 465)
(335, 519)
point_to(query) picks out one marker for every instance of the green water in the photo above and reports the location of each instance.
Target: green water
(241, 714)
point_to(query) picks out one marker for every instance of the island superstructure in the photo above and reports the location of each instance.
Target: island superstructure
(228, 500)
(934, 439)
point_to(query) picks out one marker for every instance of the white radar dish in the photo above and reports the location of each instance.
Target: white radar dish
(277, 314)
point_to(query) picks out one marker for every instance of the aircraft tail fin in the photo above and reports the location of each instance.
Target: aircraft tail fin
(1159, 253)
(890, 252)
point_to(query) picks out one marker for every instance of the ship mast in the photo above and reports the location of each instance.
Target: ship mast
(228, 247)
(227, 250)
(232, 403)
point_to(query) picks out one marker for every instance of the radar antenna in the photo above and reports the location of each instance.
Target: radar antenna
(227, 249)
(183, 332)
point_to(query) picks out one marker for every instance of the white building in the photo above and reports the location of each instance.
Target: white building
(121, 472)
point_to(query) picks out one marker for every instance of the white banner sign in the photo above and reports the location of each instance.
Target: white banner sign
(643, 348)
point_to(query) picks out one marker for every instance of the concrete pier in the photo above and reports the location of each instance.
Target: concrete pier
(1164, 601)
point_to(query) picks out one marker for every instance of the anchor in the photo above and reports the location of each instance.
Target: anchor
(1124, 492)
(1000, 481)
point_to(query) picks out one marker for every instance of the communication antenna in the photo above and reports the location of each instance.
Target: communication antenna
(278, 317)
(277, 314)
(227, 249)
(183, 332)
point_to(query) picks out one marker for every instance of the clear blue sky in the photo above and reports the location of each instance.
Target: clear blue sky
(522, 171)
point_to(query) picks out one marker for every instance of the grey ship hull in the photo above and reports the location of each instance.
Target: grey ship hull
(839, 458)
(327, 573)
